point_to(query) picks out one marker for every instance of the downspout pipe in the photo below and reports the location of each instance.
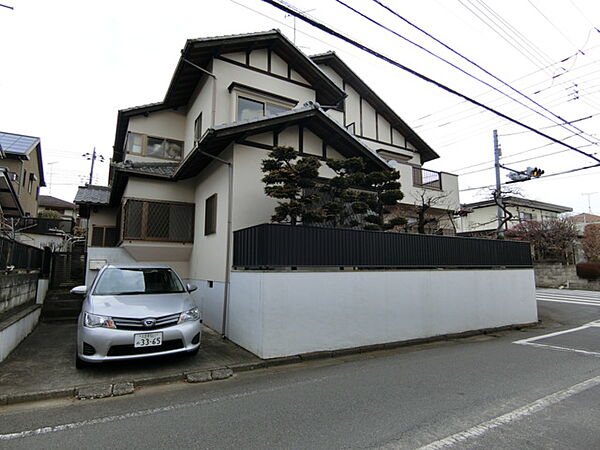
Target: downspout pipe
(226, 291)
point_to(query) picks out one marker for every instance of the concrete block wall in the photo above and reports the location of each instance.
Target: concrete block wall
(17, 289)
(555, 275)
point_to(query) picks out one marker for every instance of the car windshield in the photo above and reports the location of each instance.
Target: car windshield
(115, 281)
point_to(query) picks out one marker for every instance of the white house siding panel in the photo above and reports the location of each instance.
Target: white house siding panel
(353, 109)
(201, 102)
(228, 73)
(313, 144)
(259, 59)
(263, 138)
(450, 188)
(278, 65)
(167, 124)
(368, 120)
(297, 77)
(333, 153)
(335, 77)
(383, 130)
(289, 137)
(397, 138)
(208, 254)
(338, 116)
(236, 56)
(276, 314)
(251, 205)
(143, 188)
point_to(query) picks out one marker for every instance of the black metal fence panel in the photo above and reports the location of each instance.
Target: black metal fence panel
(41, 225)
(19, 256)
(274, 245)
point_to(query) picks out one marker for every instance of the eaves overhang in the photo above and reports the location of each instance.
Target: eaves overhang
(217, 139)
(331, 59)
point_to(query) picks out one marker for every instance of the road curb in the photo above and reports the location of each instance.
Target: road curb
(125, 387)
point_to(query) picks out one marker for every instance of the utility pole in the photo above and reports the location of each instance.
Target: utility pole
(498, 191)
(589, 194)
(92, 156)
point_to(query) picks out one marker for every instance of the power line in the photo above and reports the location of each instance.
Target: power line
(452, 64)
(554, 26)
(378, 55)
(545, 176)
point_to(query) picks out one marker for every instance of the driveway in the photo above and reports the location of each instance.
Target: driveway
(43, 364)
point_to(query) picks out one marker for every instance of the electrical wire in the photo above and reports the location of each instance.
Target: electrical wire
(389, 60)
(452, 64)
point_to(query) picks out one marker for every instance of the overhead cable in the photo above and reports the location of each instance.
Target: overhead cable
(389, 60)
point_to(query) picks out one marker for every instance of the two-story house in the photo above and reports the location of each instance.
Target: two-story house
(22, 157)
(480, 218)
(186, 171)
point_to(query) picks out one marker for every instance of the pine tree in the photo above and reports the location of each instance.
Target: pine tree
(292, 180)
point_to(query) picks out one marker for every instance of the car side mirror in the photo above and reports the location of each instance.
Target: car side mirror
(79, 290)
(191, 287)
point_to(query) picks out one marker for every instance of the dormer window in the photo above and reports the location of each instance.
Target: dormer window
(154, 146)
(253, 103)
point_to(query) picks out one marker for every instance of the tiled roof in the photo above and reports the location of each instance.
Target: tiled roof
(17, 144)
(92, 195)
(158, 169)
(48, 201)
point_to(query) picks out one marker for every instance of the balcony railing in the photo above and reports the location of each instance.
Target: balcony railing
(40, 225)
(427, 179)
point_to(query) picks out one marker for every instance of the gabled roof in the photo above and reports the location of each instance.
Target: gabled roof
(17, 144)
(585, 218)
(20, 146)
(48, 201)
(333, 60)
(201, 51)
(517, 201)
(218, 138)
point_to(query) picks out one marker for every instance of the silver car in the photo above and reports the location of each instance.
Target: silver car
(136, 312)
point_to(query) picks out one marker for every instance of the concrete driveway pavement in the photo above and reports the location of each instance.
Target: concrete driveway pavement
(43, 365)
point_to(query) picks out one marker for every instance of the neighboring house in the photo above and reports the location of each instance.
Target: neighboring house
(480, 218)
(186, 172)
(66, 209)
(21, 163)
(583, 219)
(22, 156)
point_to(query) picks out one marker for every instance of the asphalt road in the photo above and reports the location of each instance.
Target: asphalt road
(516, 389)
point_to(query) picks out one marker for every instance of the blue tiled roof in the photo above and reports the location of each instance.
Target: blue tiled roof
(16, 143)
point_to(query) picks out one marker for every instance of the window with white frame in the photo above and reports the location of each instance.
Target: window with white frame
(154, 146)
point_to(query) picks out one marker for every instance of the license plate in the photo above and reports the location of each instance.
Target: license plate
(147, 340)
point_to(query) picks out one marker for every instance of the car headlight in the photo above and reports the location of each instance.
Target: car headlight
(95, 321)
(192, 314)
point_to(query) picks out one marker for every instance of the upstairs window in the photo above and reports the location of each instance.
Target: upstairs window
(153, 146)
(198, 128)
(249, 108)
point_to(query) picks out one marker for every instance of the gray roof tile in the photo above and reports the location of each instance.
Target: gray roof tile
(92, 195)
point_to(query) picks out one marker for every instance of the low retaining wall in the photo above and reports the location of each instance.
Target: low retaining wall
(16, 328)
(275, 314)
(555, 275)
(16, 289)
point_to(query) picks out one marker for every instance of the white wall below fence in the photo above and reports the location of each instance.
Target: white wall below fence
(18, 330)
(275, 314)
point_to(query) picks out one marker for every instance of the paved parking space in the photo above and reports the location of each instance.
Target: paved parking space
(45, 362)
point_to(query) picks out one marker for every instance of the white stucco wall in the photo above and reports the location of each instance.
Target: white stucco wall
(485, 218)
(144, 188)
(275, 314)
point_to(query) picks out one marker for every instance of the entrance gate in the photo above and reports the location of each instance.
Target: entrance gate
(68, 269)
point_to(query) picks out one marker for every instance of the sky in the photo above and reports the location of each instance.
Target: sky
(69, 66)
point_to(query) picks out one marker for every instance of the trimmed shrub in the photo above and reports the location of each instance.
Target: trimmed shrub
(588, 270)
